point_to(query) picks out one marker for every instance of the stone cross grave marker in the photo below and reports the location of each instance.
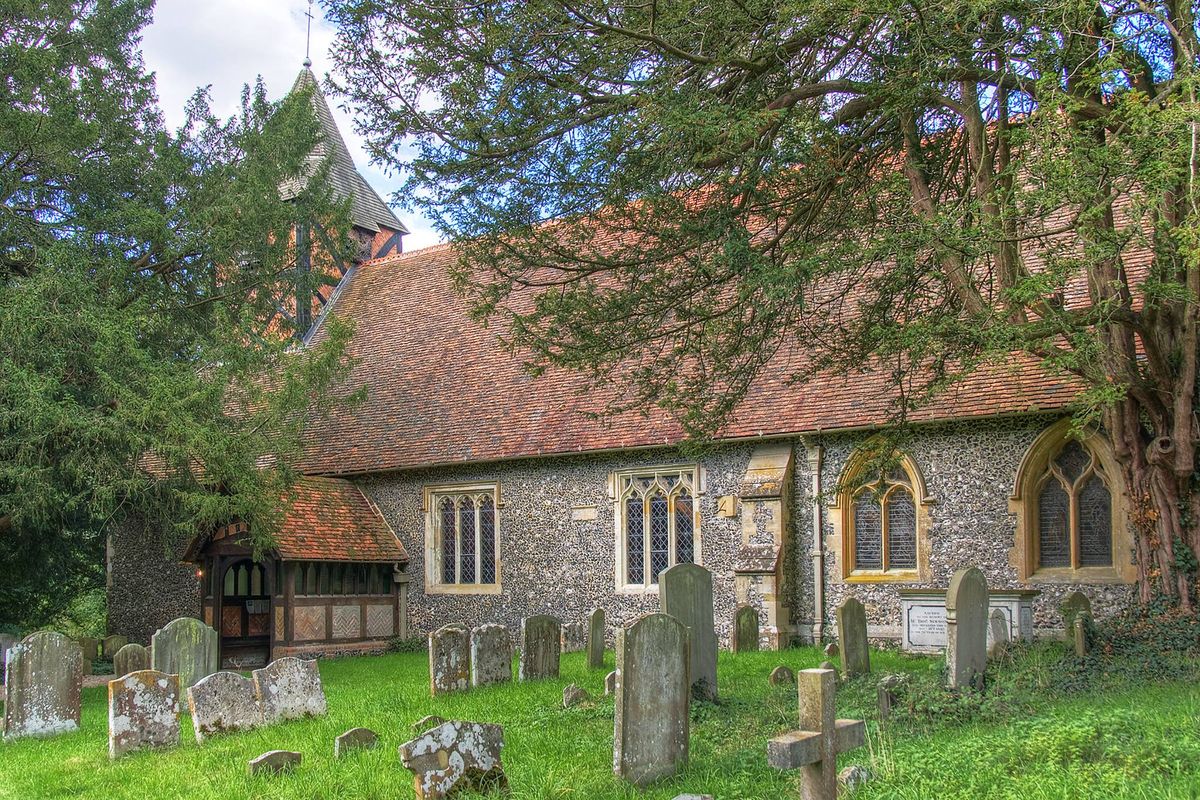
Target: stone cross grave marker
(223, 701)
(574, 637)
(130, 658)
(42, 685)
(1077, 615)
(289, 688)
(745, 629)
(815, 747)
(491, 655)
(541, 644)
(143, 711)
(997, 631)
(456, 757)
(966, 628)
(852, 638)
(185, 647)
(449, 659)
(595, 642)
(653, 696)
(686, 591)
(109, 645)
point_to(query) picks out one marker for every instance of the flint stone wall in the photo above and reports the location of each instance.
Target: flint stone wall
(147, 585)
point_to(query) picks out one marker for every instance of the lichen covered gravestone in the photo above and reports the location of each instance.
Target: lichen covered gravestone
(574, 637)
(966, 629)
(852, 638)
(595, 642)
(110, 645)
(143, 711)
(653, 695)
(289, 688)
(223, 701)
(455, 757)
(687, 595)
(540, 647)
(821, 737)
(997, 631)
(185, 647)
(491, 655)
(42, 684)
(782, 676)
(745, 629)
(449, 659)
(1077, 617)
(130, 658)
(273, 762)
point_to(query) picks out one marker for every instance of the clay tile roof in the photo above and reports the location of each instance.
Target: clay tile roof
(332, 520)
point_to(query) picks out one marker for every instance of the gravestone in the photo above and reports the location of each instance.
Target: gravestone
(687, 594)
(966, 629)
(110, 645)
(223, 701)
(185, 647)
(831, 651)
(143, 711)
(574, 637)
(815, 747)
(289, 688)
(574, 695)
(782, 676)
(540, 643)
(491, 655)
(456, 757)
(273, 762)
(595, 642)
(1077, 616)
(449, 659)
(355, 739)
(610, 682)
(745, 629)
(889, 694)
(852, 638)
(6, 641)
(42, 685)
(653, 695)
(130, 658)
(89, 647)
(428, 722)
(997, 632)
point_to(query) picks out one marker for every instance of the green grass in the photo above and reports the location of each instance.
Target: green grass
(1141, 742)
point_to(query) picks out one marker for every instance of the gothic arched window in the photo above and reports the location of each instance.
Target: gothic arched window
(464, 537)
(657, 517)
(881, 520)
(1074, 511)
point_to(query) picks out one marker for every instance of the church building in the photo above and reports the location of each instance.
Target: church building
(466, 490)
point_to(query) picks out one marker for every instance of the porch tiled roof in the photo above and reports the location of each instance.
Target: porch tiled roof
(332, 520)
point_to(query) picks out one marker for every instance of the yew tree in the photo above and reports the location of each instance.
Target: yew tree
(665, 194)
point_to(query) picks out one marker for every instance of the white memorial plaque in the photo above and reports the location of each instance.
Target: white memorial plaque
(923, 617)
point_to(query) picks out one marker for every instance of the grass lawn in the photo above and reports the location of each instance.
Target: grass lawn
(1142, 742)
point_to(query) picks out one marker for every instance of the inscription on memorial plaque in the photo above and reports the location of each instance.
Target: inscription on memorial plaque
(925, 626)
(923, 617)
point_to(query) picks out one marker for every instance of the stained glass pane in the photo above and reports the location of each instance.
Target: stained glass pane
(1095, 524)
(487, 541)
(902, 530)
(684, 530)
(868, 532)
(466, 540)
(448, 545)
(1054, 526)
(660, 536)
(635, 553)
(1073, 460)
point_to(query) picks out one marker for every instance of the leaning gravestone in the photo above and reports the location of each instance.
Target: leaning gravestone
(289, 688)
(852, 638)
(109, 645)
(491, 655)
(186, 647)
(540, 643)
(456, 757)
(1077, 616)
(687, 595)
(745, 629)
(273, 762)
(574, 637)
(143, 711)
(782, 676)
(449, 659)
(653, 694)
(42, 685)
(354, 739)
(130, 658)
(997, 631)
(966, 628)
(223, 701)
(595, 639)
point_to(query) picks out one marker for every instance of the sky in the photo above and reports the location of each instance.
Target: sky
(226, 44)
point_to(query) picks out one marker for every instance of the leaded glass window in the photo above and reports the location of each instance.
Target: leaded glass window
(1074, 512)
(465, 533)
(883, 521)
(658, 515)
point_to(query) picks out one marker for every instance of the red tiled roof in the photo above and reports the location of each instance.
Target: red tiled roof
(442, 389)
(332, 520)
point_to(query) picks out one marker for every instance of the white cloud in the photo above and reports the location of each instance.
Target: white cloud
(226, 44)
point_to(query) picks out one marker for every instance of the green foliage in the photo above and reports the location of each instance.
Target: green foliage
(85, 615)
(410, 644)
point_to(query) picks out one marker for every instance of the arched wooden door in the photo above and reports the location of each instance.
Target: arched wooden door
(245, 615)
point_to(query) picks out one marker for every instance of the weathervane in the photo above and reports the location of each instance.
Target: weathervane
(308, 35)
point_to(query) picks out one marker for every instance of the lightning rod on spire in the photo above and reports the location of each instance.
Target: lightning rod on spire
(308, 35)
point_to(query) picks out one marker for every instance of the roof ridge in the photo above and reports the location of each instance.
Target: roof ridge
(409, 254)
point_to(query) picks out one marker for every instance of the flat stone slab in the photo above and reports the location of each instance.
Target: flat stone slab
(595, 639)
(491, 655)
(686, 593)
(185, 647)
(852, 637)
(654, 689)
(541, 646)
(131, 658)
(273, 762)
(222, 702)
(457, 756)
(43, 681)
(745, 629)
(355, 739)
(289, 688)
(143, 711)
(449, 659)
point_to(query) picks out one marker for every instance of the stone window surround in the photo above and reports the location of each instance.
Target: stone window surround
(433, 583)
(699, 480)
(841, 540)
(1023, 503)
